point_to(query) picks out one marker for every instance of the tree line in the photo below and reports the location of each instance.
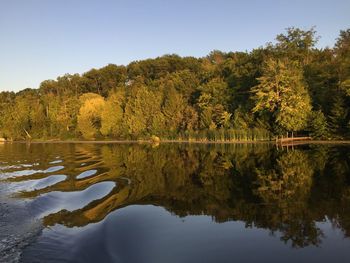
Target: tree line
(286, 86)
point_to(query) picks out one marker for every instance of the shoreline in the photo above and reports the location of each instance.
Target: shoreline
(179, 141)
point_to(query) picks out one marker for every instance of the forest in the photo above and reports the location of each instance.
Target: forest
(288, 86)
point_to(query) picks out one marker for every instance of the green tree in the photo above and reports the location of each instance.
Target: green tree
(143, 111)
(321, 78)
(173, 109)
(296, 44)
(213, 104)
(342, 55)
(318, 125)
(281, 91)
(338, 116)
(190, 119)
(206, 118)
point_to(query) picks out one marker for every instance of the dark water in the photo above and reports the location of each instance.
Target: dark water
(174, 203)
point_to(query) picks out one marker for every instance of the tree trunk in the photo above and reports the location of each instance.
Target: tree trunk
(27, 133)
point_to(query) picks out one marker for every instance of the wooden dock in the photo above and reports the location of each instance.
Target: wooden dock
(292, 141)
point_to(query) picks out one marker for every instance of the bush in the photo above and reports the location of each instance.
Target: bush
(155, 139)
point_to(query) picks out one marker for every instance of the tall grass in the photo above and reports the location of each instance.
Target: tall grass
(222, 135)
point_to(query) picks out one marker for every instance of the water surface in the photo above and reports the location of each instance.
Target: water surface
(174, 203)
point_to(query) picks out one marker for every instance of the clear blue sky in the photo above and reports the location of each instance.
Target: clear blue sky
(42, 39)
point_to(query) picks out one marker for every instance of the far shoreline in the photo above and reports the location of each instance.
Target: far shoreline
(338, 142)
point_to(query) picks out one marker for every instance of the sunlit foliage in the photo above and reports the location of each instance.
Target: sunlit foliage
(283, 87)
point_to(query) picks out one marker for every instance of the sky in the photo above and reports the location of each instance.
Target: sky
(44, 39)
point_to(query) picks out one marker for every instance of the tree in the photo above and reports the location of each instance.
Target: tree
(112, 115)
(213, 103)
(6, 103)
(173, 109)
(222, 118)
(318, 125)
(206, 118)
(190, 119)
(342, 53)
(296, 44)
(321, 78)
(67, 117)
(281, 91)
(240, 119)
(89, 118)
(25, 118)
(338, 116)
(143, 111)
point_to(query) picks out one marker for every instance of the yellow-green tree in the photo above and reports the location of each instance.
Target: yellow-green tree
(143, 114)
(112, 115)
(213, 103)
(173, 109)
(282, 92)
(89, 117)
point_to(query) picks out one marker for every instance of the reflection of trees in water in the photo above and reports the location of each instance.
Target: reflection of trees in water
(331, 190)
(286, 192)
(290, 179)
(287, 186)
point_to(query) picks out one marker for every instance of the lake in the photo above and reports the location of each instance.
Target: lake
(67, 202)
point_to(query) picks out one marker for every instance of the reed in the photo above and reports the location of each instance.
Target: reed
(221, 135)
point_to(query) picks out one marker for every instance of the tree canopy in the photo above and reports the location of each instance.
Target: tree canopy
(283, 87)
